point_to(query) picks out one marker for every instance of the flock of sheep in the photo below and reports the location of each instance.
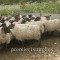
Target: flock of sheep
(26, 27)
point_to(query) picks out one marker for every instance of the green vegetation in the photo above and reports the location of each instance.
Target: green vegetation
(17, 1)
(52, 7)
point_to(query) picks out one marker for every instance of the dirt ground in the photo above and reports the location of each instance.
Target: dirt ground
(49, 50)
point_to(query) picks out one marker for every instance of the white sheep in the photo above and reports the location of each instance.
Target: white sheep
(26, 32)
(32, 20)
(52, 25)
(5, 18)
(40, 23)
(33, 16)
(20, 16)
(20, 21)
(5, 37)
(12, 19)
(7, 23)
(43, 18)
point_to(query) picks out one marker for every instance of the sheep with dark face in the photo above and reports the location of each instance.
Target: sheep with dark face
(51, 26)
(6, 18)
(30, 16)
(5, 34)
(17, 17)
(25, 20)
(2, 21)
(37, 19)
(12, 19)
(24, 16)
(47, 17)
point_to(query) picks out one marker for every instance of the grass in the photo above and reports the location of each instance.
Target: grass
(52, 7)
(9, 9)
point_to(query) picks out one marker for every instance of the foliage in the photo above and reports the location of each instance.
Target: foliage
(52, 7)
(17, 1)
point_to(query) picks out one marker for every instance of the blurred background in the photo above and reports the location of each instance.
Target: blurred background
(29, 6)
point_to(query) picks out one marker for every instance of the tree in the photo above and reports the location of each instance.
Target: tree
(22, 4)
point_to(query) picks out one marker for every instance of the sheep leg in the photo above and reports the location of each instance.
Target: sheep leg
(1, 46)
(6, 46)
(22, 43)
(39, 43)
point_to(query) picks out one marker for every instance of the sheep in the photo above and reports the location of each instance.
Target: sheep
(16, 23)
(5, 38)
(43, 18)
(24, 16)
(31, 16)
(28, 18)
(36, 22)
(37, 19)
(23, 20)
(32, 20)
(51, 26)
(2, 19)
(43, 22)
(6, 18)
(19, 22)
(40, 23)
(17, 16)
(47, 17)
(20, 16)
(26, 32)
(5, 35)
(12, 19)
(7, 23)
